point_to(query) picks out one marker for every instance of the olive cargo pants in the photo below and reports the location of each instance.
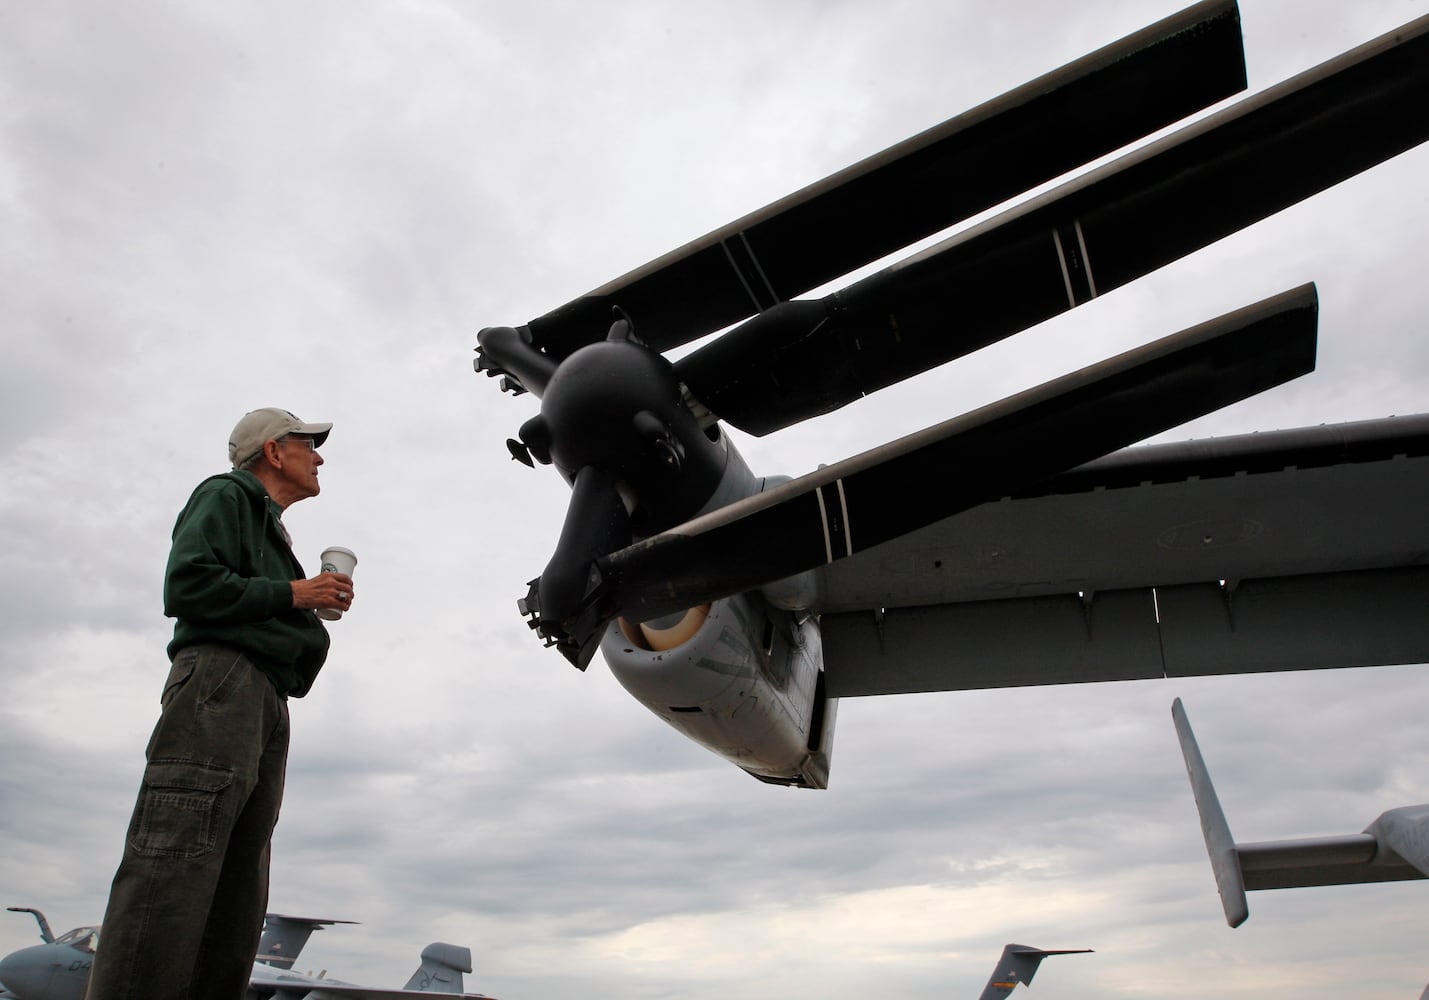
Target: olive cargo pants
(186, 907)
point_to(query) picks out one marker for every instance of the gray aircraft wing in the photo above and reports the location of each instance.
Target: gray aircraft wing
(1393, 848)
(439, 975)
(330, 992)
(275, 984)
(300, 991)
(1286, 550)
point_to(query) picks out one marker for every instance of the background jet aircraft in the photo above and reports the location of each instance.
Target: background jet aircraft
(1394, 847)
(1018, 544)
(59, 968)
(284, 936)
(1018, 964)
(55, 970)
(440, 973)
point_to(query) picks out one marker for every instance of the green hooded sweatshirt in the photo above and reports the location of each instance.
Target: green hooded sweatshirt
(229, 582)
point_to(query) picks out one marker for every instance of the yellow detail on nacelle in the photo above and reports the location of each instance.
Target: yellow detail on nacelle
(665, 633)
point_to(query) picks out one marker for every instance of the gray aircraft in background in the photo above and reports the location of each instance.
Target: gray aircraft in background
(59, 968)
(1018, 964)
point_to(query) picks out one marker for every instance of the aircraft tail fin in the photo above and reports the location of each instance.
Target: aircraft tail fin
(1220, 845)
(284, 936)
(1394, 847)
(1018, 964)
(441, 969)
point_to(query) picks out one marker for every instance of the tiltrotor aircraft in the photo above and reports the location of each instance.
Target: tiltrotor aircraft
(1024, 542)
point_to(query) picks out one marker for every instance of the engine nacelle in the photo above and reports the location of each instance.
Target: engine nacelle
(739, 677)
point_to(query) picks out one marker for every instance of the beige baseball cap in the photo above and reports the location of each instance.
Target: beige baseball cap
(270, 423)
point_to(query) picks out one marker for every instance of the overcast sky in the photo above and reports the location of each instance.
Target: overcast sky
(209, 208)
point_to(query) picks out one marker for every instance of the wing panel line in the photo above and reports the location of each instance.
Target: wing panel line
(759, 268)
(1086, 260)
(747, 269)
(1066, 275)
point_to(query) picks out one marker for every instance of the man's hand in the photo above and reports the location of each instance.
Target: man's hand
(326, 590)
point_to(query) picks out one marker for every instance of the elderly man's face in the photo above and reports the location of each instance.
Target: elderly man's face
(300, 465)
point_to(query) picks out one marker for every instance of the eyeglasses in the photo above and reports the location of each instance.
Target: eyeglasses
(311, 444)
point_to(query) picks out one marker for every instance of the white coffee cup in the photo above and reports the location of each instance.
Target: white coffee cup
(336, 559)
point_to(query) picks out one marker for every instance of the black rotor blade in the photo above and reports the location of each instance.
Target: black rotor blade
(971, 459)
(596, 522)
(1080, 240)
(925, 184)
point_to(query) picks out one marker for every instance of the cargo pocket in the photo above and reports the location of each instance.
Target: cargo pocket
(177, 808)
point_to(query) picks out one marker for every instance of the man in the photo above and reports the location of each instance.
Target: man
(186, 907)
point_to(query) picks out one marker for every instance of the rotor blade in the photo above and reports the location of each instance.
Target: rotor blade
(1030, 135)
(980, 456)
(596, 522)
(1078, 241)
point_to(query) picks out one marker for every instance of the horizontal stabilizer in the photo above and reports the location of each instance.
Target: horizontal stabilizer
(1372, 856)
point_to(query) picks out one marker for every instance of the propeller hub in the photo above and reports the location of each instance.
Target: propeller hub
(591, 402)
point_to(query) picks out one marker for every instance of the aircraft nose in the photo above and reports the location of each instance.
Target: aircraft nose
(25, 973)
